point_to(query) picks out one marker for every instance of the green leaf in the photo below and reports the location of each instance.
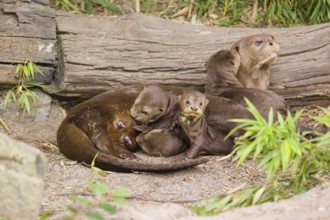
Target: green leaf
(286, 154)
(108, 207)
(18, 69)
(121, 192)
(97, 188)
(109, 5)
(258, 195)
(83, 200)
(99, 171)
(26, 72)
(89, 6)
(7, 97)
(94, 215)
(36, 67)
(31, 69)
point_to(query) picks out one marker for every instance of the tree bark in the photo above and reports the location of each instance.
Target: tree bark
(27, 32)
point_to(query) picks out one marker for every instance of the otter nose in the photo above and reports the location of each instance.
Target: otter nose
(194, 108)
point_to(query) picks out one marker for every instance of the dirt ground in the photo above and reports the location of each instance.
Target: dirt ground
(65, 178)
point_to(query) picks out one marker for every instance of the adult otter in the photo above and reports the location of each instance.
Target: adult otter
(103, 124)
(200, 135)
(222, 68)
(248, 61)
(257, 53)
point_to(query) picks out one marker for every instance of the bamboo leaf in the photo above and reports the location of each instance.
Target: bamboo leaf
(286, 154)
(31, 69)
(258, 195)
(97, 188)
(108, 208)
(94, 215)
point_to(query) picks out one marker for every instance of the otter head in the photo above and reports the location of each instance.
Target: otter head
(257, 51)
(229, 60)
(122, 128)
(192, 105)
(150, 105)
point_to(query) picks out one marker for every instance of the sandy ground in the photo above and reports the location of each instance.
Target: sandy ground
(65, 178)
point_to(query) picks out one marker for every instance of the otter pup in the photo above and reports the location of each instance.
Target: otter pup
(157, 110)
(103, 125)
(200, 135)
(146, 109)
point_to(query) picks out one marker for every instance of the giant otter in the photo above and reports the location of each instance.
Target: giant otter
(146, 109)
(246, 64)
(222, 68)
(103, 124)
(194, 124)
(257, 53)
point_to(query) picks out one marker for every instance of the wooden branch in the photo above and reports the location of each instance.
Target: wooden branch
(99, 54)
(27, 31)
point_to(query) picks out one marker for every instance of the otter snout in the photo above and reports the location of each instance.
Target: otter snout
(194, 108)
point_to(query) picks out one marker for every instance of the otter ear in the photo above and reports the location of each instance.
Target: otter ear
(236, 48)
(206, 102)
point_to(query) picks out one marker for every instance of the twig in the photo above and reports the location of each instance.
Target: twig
(137, 6)
(5, 125)
(254, 11)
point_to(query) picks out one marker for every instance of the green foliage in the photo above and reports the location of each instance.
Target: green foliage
(292, 162)
(88, 6)
(222, 12)
(91, 208)
(21, 92)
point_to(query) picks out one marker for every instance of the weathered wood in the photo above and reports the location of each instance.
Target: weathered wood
(27, 31)
(100, 54)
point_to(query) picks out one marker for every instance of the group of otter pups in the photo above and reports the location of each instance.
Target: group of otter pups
(170, 121)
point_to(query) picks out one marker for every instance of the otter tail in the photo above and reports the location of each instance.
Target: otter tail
(76, 145)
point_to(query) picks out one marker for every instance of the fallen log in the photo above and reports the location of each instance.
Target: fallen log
(102, 53)
(27, 32)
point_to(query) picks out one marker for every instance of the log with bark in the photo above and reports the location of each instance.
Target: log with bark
(27, 33)
(95, 54)
(98, 54)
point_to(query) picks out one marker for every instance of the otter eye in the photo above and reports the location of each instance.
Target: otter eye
(201, 103)
(232, 63)
(144, 112)
(259, 42)
(187, 102)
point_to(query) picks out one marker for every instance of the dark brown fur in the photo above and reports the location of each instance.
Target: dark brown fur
(246, 64)
(218, 112)
(92, 127)
(200, 135)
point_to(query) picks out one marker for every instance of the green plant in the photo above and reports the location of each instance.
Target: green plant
(292, 162)
(21, 91)
(90, 207)
(88, 6)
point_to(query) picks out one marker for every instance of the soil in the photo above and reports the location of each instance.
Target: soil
(168, 193)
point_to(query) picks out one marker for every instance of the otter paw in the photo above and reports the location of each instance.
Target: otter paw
(125, 155)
